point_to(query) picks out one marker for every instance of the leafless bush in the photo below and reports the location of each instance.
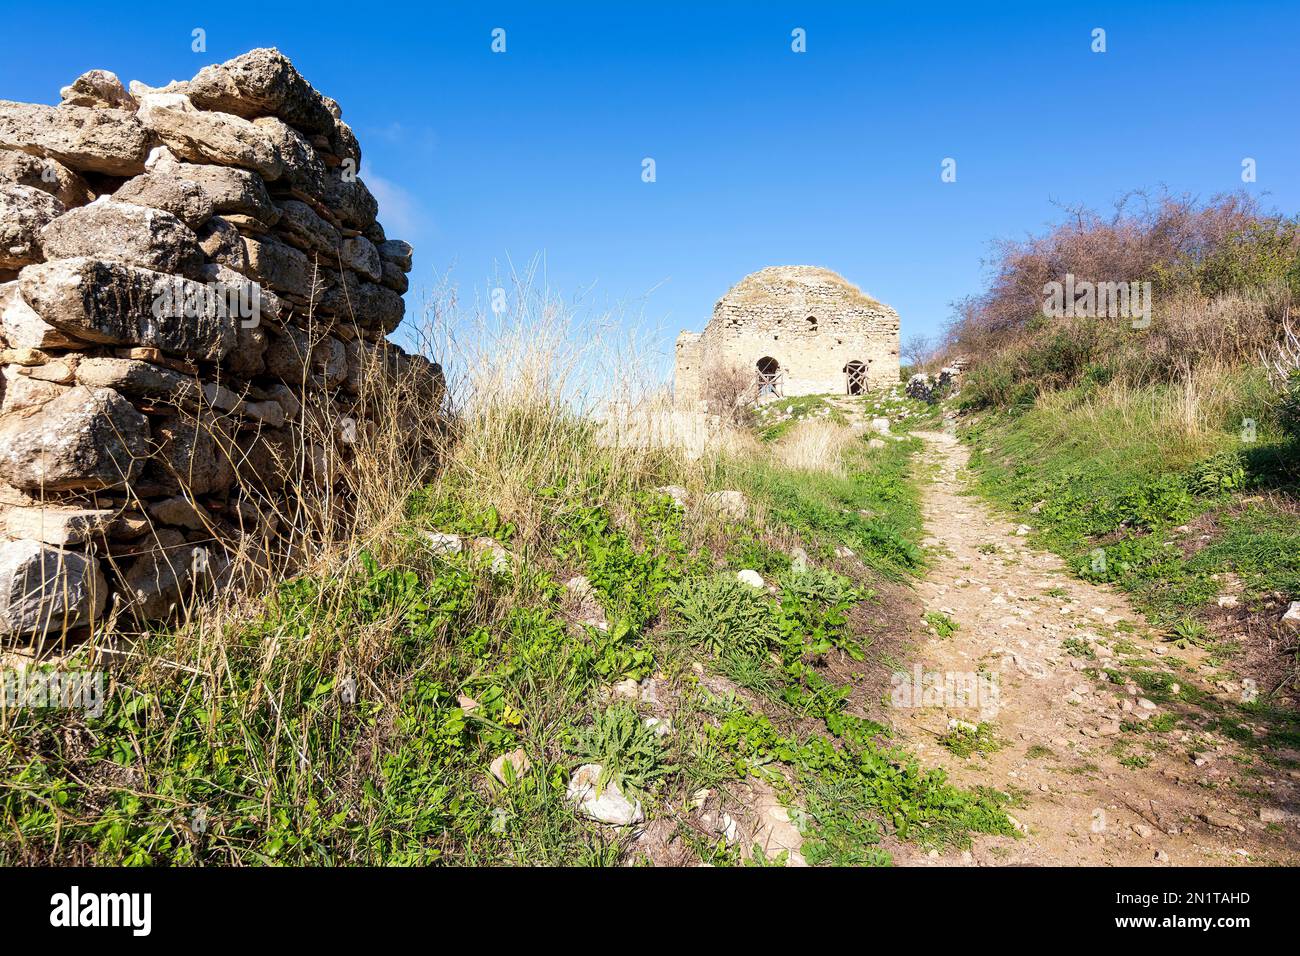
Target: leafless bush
(917, 349)
(730, 392)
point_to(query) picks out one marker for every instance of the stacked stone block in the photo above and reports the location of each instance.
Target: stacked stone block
(195, 299)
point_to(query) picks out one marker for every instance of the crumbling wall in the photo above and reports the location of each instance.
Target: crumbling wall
(195, 298)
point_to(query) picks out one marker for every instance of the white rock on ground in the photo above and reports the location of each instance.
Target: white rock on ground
(1291, 619)
(442, 543)
(731, 504)
(750, 577)
(604, 806)
(675, 492)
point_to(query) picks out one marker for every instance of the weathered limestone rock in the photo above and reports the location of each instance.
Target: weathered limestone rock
(262, 82)
(233, 191)
(180, 512)
(139, 379)
(301, 168)
(209, 137)
(605, 805)
(83, 139)
(84, 440)
(300, 226)
(194, 454)
(47, 590)
(183, 198)
(160, 578)
(59, 526)
(97, 88)
(377, 306)
(22, 327)
(115, 304)
(280, 266)
(47, 175)
(24, 212)
(394, 278)
(123, 232)
(397, 252)
(22, 391)
(350, 200)
(223, 245)
(360, 255)
(293, 357)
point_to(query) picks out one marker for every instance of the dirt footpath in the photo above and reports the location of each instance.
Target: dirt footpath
(1105, 770)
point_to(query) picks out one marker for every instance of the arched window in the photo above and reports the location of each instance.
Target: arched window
(812, 323)
(855, 378)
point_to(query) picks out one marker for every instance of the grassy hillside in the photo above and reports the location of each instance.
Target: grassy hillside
(545, 601)
(1161, 459)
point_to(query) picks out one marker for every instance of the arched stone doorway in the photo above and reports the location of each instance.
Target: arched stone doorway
(769, 377)
(855, 378)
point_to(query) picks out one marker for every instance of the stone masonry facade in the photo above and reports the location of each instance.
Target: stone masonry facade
(802, 330)
(195, 297)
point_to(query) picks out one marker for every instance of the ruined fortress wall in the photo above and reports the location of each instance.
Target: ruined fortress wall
(195, 294)
(809, 320)
(812, 357)
(688, 369)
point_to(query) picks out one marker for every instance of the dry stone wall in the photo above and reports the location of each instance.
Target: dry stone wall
(195, 298)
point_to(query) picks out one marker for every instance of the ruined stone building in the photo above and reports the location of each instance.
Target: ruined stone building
(802, 330)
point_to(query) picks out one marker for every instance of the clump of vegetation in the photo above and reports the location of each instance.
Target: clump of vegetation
(966, 740)
(628, 751)
(941, 623)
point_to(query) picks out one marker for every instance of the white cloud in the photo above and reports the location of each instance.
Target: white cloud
(399, 210)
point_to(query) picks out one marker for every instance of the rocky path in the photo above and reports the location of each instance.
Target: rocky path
(1105, 770)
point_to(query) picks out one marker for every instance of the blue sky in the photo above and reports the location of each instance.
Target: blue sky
(763, 156)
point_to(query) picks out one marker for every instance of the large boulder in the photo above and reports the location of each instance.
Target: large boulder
(262, 82)
(84, 139)
(45, 174)
(46, 590)
(97, 88)
(59, 526)
(397, 252)
(24, 212)
(159, 579)
(137, 378)
(281, 266)
(183, 198)
(193, 456)
(292, 356)
(124, 232)
(350, 200)
(360, 255)
(301, 226)
(117, 304)
(302, 168)
(204, 137)
(86, 439)
(233, 191)
(22, 327)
